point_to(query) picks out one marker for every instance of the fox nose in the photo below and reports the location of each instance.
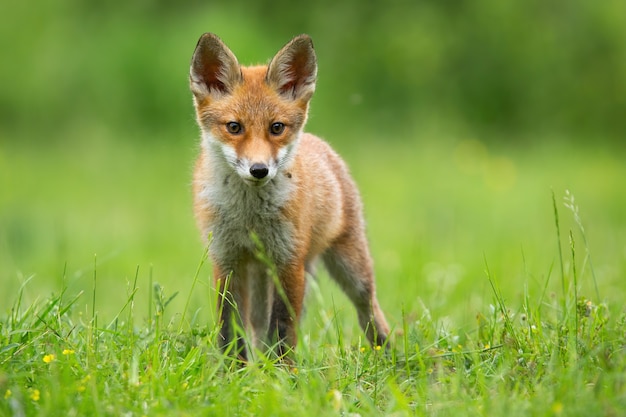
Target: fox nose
(259, 171)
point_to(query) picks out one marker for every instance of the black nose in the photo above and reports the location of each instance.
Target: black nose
(259, 171)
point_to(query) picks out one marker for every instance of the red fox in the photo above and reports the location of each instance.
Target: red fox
(260, 181)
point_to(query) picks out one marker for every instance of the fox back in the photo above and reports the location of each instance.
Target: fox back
(261, 184)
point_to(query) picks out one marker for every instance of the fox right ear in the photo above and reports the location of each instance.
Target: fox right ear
(214, 68)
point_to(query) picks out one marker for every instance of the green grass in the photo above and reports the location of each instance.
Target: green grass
(560, 356)
(107, 307)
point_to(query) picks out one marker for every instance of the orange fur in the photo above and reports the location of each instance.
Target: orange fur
(257, 172)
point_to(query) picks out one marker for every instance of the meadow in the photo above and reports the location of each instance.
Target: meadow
(108, 307)
(490, 159)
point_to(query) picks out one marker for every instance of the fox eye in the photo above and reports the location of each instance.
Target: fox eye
(277, 128)
(233, 127)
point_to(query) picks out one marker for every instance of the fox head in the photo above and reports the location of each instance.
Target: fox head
(252, 116)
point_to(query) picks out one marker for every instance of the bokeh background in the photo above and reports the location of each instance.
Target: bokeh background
(459, 120)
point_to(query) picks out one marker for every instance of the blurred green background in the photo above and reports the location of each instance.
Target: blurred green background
(458, 120)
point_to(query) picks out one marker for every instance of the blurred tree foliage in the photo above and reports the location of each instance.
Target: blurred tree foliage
(489, 66)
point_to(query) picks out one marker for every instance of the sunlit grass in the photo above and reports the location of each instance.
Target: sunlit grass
(56, 359)
(106, 310)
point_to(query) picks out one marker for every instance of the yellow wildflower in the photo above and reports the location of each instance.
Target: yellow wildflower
(49, 358)
(335, 398)
(362, 349)
(557, 407)
(7, 394)
(377, 347)
(68, 352)
(34, 395)
(81, 387)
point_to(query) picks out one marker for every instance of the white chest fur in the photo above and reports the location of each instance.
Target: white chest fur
(241, 209)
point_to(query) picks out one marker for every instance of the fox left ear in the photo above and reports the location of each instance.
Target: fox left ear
(293, 70)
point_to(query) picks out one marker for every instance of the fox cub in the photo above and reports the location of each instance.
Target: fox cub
(260, 181)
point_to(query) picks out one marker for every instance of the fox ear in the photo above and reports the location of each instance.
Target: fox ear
(293, 70)
(214, 68)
